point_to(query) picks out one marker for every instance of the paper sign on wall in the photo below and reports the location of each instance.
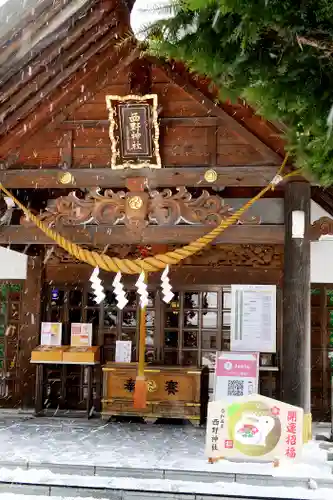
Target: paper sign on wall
(81, 334)
(254, 427)
(51, 334)
(123, 351)
(253, 318)
(236, 374)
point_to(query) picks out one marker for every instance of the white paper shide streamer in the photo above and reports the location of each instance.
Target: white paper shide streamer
(119, 292)
(166, 287)
(142, 290)
(96, 285)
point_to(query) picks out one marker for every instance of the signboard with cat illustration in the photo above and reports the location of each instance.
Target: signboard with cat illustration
(254, 427)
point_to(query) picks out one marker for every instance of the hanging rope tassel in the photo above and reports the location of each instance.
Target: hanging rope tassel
(140, 391)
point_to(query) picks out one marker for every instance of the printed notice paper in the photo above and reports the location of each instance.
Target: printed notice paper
(123, 351)
(253, 318)
(81, 334)
(51, 334)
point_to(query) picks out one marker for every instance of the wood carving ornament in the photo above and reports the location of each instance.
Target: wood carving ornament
(137, 208)
(321, 227)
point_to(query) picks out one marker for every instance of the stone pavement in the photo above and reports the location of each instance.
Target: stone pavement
(161, 454)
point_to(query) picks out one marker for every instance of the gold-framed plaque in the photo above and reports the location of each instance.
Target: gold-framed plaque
(134, 131)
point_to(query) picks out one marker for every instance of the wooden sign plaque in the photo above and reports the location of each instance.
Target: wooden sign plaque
(134, 131)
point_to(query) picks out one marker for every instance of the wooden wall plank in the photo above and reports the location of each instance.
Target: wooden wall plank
(158, 76)
(191, 145)
(239, 155)
(101, 235)
(185, 146)
(42, 149)
(91, 137)
(94, 156)
(226, 136)
(182, 275)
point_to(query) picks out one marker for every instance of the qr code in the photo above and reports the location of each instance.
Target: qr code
(235, 387)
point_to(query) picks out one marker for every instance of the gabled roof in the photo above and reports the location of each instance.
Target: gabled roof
(48, 58)
(28, 26)
(50, 55)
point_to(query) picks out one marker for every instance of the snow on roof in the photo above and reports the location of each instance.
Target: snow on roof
(147, 12)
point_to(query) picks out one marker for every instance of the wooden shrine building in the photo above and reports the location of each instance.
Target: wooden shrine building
(58, 63)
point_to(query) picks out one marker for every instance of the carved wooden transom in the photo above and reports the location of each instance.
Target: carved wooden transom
(137, 209)
(256, 256)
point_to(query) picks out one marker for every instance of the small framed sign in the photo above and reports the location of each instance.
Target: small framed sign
(51, 334)
(123, 351)
(134, 131)
(81, 334)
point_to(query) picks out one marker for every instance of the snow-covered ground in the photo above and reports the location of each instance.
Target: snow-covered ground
(11, 496)
(166, 486)
(94, 443)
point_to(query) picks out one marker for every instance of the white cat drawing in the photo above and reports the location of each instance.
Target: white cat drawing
(253, 430)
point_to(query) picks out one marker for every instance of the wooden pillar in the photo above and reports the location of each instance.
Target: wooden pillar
(296, 344)
(29, 332)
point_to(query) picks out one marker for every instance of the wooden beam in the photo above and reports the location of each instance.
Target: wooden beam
(100, 235)
(253, 176)
(183, 80)
(181, 121)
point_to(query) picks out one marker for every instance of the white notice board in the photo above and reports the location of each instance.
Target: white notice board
(13, 265)
(253, 318)
(123, 351)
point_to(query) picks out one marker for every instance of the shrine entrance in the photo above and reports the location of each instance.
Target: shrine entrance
(185, 333)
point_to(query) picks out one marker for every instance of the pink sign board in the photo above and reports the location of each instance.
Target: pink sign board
(236, 374)
(231, 367)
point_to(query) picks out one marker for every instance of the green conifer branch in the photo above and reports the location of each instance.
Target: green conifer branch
(276, 54)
